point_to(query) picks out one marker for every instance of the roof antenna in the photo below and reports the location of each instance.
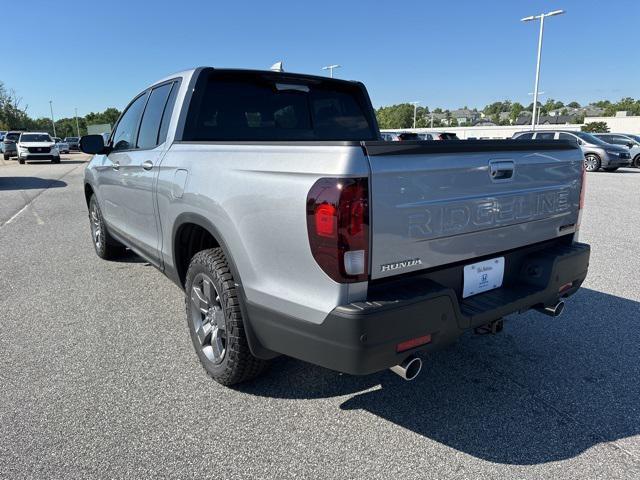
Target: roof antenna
(277, 67)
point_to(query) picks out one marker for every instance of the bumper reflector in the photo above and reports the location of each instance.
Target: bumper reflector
(413, 343)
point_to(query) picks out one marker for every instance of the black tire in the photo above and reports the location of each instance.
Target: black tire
(21, 161)
(218, 336)
(636, 161)
(591, 162)
(56, 160)
(610, 169)
(105, 245)
(6, 157)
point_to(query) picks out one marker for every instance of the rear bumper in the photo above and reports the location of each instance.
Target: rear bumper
(361, 338)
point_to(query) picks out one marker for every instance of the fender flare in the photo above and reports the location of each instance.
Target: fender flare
(256, 347)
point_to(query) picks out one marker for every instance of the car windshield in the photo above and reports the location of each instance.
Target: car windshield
(71, 139)
(12, 136)
(587, 137)
(635, 137)
(35, 137)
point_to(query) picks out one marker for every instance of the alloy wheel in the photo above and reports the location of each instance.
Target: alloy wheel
(96, 226)
(208, 318)
(590, 163)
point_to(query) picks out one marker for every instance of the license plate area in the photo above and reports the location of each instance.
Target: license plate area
(483, 276)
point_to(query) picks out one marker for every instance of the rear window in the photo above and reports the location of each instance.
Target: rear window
(12, 136)
(247, 106)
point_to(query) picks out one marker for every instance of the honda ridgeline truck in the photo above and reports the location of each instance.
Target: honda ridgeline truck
(292, 228)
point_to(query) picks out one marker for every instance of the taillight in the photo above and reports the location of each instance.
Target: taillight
(338, 227)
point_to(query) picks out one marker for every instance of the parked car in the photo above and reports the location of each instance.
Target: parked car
(440, 136)
(37, 146)
(407, 136)
(269, 198)
(632, 142)
(9, 145)
(597, 153)
(74, 142)
(63, 147)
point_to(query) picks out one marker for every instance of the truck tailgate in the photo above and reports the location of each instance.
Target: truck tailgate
(435, 203)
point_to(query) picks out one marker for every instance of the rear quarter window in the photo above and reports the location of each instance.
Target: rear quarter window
(254, 106)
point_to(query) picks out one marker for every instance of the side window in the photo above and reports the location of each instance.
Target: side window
(566, 136)
(124, 137)
(545, 135)
(525, 136)
(152, 117)
(606, 138)
(618, 140)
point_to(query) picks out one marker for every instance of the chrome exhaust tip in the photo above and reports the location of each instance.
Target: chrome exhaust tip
(553, 310)
(409, 369)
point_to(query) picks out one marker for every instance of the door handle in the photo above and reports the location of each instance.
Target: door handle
(116, 165)
(501, 170)
(148, 165)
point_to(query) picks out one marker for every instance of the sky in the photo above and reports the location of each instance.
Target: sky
(93, 55)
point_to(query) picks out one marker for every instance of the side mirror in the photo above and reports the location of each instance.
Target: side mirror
(630, 145)
(93, 144)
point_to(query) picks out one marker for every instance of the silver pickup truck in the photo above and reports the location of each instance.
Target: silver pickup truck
(270, 199)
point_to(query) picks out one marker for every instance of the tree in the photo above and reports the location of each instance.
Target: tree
(573, 105)
(595, 127)
(110, 116)
(516, 110)
(395, 116)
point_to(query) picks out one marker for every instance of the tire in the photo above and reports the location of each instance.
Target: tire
(56, 160)
(106, 247)
(591, 162)
(218, 335)
(636, 161)
(21, 161)
(6, 157)
(610, 169)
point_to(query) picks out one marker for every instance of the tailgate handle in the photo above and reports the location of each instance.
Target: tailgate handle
(501, 170)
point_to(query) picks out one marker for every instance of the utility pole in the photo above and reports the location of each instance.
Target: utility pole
(77, 125)
(540, 17)
(331, 68)
(53, 122)
(415, 111)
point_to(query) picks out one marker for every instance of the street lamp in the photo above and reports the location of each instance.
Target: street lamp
(415, 110)
(330, 68)
(52, 120)
(77, 125)
(541, 17)
(539, 93)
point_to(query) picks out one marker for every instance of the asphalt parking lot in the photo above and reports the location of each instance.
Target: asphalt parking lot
(98, 377)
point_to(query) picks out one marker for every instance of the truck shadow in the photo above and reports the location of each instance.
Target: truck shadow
(544, 390)
(29, 183)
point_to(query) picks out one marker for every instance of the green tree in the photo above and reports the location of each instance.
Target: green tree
(395, 116)
(573, 105)
(595, 127)
(516, 110)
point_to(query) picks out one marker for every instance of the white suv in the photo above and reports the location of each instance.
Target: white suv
(37, 146)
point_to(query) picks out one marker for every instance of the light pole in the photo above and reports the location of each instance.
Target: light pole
(539, 93)
(541, 17)
(77, 125)
(415, 111)
(53, 122)
(330, 68)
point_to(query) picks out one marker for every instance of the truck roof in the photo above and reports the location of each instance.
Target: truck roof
(188, 73)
